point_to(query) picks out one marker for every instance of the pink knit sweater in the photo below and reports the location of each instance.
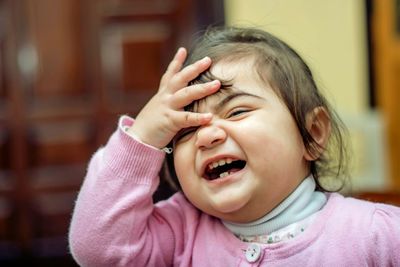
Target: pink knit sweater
(116, 224)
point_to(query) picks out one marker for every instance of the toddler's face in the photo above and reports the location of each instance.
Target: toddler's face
(249, 157)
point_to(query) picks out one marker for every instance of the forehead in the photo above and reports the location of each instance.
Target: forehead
(235, 69)
(242, 77)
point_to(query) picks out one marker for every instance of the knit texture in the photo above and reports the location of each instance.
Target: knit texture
(116, 224)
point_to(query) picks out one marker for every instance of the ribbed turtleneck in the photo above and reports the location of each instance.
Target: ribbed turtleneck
(301, 203)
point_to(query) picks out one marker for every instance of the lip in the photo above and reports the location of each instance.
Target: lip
(213, 159)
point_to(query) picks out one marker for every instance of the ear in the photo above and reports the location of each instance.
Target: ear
(318, 125)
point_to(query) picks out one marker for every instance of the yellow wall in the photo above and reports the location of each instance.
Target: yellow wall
(330, 35)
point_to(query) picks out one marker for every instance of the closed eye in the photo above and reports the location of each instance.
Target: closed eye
(237, 112)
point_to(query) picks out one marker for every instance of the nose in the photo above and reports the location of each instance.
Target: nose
(209, 136)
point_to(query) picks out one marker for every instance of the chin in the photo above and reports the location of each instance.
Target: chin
(232, 211)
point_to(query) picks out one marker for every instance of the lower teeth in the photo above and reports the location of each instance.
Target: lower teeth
(224, 174)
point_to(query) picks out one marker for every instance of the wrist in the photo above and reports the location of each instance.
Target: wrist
(127, 125)
(135, 132)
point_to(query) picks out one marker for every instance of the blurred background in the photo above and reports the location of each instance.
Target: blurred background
(70, 68)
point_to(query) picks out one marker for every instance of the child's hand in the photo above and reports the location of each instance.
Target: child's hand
(163, 116)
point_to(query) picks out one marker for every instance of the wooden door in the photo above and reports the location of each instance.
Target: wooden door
(68, 70)
(385, 23)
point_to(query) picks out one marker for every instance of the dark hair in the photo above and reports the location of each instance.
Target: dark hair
(278, 64)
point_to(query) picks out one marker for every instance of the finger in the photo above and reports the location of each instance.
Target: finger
(176, 64)
(189, 94)
(177, 61)
(186, 119)
(182, 78)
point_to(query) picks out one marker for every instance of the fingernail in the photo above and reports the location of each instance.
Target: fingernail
(205, 59)
(207, 115)
(180, 50)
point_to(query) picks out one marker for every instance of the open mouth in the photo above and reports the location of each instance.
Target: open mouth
(223, 168)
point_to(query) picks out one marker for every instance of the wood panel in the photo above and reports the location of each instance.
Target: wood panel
(386, 70)
(127, 55)
(55, 72)
(391, 198)
(68, 70)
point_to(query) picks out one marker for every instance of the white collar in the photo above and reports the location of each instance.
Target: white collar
(301, 203)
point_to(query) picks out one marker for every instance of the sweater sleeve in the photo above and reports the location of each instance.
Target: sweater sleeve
(113, 213)
(385, 231)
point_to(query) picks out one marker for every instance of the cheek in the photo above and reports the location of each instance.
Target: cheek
(274, 140)
(182, 160)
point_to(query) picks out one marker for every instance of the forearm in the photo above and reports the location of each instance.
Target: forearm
(115, 203)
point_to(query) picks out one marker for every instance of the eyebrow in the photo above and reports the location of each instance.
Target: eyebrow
(218, 107)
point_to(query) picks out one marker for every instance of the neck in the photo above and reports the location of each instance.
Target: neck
(301, 203)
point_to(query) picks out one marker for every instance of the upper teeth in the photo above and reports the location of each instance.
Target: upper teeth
(220, 162)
